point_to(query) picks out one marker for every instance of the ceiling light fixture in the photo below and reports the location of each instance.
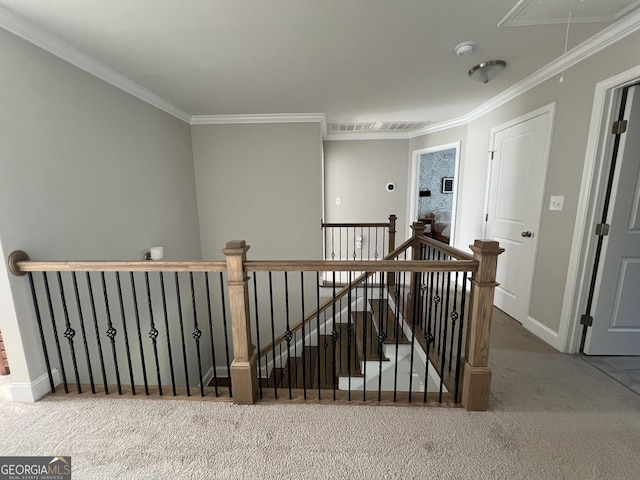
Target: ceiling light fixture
(465, 48)
(487, 71)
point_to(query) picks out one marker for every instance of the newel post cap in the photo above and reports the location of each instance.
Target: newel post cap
(12, 262)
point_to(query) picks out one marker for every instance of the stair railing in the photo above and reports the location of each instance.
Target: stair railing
(359, 241)
(138, 332)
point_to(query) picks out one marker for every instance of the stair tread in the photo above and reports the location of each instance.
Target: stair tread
(364, 320)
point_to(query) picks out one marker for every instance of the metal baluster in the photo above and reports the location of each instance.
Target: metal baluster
(36, 307)
(334, 337)
(226, 335)
(153, 332)
(255, 299)
(166, 326)
(181, 322)
(436, 300)
(139, 330)
(365, 318)
(213, 348)
(95, 323)
(429, 339)
(304, 349)
(354, 243)
(273, 335)
(416, 308)
(444, 341)
(83, 331)
(55, 332)
(126, 334)
(396, 328)
(369, 242)
(288, 333)
(197, 333)
(454, 317)
(111, 331)
(381, 333)
(375, 250)
(69, 332)
(349, 326)
(333, 247)
(318, 333)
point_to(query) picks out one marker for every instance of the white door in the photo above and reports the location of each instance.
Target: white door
(520, 151)
(616, 317)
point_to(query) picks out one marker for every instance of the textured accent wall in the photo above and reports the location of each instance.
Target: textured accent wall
(434, 166)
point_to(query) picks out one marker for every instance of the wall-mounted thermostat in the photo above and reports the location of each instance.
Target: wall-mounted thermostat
(391, 187)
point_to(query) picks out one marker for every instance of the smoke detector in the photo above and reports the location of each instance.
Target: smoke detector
(465, 48)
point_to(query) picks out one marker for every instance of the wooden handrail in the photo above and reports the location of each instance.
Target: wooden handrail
(443, 247)
(345, 225)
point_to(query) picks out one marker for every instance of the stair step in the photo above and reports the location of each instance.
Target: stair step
(364, 324)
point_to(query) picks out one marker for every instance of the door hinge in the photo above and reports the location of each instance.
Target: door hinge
(492, 152)
(619, 126)
(586, 320)
(486, 217)
(602, 229)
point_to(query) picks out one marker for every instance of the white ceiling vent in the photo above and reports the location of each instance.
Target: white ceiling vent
(351, 127)
(375, 127)
(544, 12)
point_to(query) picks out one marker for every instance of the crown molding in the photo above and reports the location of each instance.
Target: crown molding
(260, 118)
(61, 49)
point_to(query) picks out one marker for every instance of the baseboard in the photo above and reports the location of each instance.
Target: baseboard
(33, 391)
(543, 332)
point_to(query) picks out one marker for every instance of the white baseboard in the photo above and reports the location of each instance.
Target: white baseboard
(543, 332)
(31, 392)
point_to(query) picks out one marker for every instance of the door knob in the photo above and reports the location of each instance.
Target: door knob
(527, 234)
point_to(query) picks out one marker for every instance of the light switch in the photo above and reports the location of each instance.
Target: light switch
(338, 201)
(557, 203)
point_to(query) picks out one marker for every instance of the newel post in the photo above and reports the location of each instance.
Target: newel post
(476, 375)
(392, 232)
(244, 374)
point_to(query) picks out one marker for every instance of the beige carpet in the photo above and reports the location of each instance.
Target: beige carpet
(553, 417)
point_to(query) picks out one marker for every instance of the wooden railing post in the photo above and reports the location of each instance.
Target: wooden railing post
(244, 374)
(476, 375)
(414, 292)
(392, 232)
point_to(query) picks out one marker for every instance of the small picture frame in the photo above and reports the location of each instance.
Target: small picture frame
(447, 185)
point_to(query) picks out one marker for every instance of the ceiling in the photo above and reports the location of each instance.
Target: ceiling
(353, 60)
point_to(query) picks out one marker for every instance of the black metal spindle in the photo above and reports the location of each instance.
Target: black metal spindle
(304, 343)
(417, 278)
(365, 321)
(318, 334)
(273, 335)
(375, 250)
(166, 326)
(333, 247)
(226, 334)
(454, 317)
(429, 338)
(197, 333)
(136, 313)
(83, 331)
(94, 314)
(126, 334)
(69, 332)
(396, 328)
(334, 337)
(111, 331)
(349, 335)
(444, 342)
(153, 331)
(381, 332)
(55, 331)
(255, 299)
(181, 323)
(36, 307)
(213, 348)
(288, 333)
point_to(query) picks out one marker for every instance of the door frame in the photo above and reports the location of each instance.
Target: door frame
(592, 190)
(529, 322)
(414, 181)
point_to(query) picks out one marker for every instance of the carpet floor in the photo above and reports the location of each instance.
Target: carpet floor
(553, 416)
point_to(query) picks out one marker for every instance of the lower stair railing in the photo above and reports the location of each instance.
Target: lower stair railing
(410, 328)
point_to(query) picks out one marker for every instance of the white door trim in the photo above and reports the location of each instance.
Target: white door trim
(414, 180)
(583, 243)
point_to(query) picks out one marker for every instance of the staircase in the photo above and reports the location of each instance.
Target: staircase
(371, 352)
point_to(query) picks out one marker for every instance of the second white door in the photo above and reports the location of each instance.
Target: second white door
(520, 152)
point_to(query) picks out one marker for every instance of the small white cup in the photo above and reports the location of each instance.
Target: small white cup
(157, 253)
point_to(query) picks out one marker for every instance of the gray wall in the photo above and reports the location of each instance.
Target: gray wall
(357, 171)
(87, 172)
(261, 183)
(574, 99)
